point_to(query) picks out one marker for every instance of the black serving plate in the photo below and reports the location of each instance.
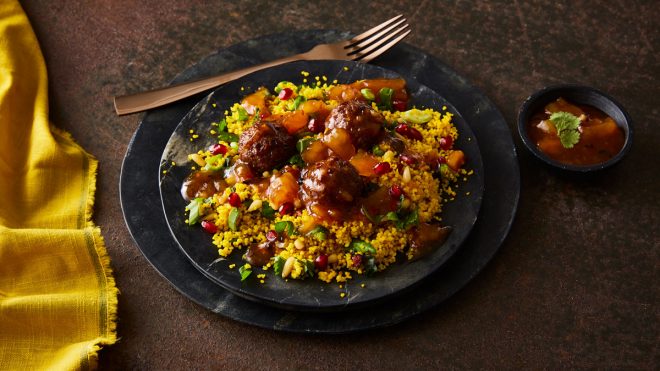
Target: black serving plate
(310, 294)
(140, 199)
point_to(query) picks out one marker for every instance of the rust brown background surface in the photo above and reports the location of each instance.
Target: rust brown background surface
(575, 284)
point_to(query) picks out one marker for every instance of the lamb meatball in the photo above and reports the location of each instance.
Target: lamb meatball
(265, 146)
(363, 124)
(330, 187)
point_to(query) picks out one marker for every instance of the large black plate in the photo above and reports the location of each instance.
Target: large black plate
(140, 194)
(309, 294)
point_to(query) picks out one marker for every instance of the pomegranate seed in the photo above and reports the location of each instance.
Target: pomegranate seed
(234, 199)
(396, 191)
(408, 132)
(446, 142)
(285, 94)
(271, 235)
(218, 149)
(399, 105)
(321, 262)
(264, 115)
(209, 227)
(315, 125)
(382, 168)
(357, 260)
(408, 160)
(441, 160)
(286, 208)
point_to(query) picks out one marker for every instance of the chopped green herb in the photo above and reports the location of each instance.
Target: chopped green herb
(285, 226)
(278, 265)
(303, 143)
(362, 247)
(232, 220)
(245, 272)
(227, 137)
(214, 163)
(408, 220)
(376, 150)
(368, 94)
(416, 116)
(222, 125)
(194, 210)
(319, 232)
(386, 98)
(309, 268)
(567, 125)
(267, 211)
(297, 160)
(370, 265)
(292, 106)
(281, 85)
(390, 217)
(242, 114)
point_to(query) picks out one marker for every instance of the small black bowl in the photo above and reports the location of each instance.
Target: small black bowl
(581, 95)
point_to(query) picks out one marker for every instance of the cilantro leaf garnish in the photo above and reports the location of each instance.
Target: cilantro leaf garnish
(567, 125)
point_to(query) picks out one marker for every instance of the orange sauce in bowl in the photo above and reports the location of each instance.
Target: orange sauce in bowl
(600, 137)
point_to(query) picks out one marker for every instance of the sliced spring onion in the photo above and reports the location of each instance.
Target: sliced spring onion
(232, 220)
(368, 94)
(416, 116)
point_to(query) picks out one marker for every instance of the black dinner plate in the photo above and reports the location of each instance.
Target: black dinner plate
(311, 294)
(140, 197)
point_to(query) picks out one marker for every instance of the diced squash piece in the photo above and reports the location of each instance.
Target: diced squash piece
(282, 189)
(456, 159)
(339, 141)
(256, 100)
(317, 151)
(364, 163)
(295, 121)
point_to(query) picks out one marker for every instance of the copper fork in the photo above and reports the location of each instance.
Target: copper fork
(363, 48)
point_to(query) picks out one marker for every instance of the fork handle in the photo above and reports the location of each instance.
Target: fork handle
(159, 97)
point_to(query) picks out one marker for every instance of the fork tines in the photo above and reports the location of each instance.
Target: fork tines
(377, 40)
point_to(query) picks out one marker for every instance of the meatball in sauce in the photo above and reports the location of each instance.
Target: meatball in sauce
(265, 146)
(330, 187)
(363, 124)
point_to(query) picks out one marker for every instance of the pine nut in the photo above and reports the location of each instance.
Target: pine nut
(288, 267)
(255, 205)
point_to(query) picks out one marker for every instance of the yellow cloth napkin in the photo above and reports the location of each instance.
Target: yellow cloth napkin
(57, 296)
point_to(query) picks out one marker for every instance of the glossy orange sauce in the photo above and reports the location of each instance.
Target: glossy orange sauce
(600, 137)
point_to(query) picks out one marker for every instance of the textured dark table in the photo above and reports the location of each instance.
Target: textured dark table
(574, 285)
